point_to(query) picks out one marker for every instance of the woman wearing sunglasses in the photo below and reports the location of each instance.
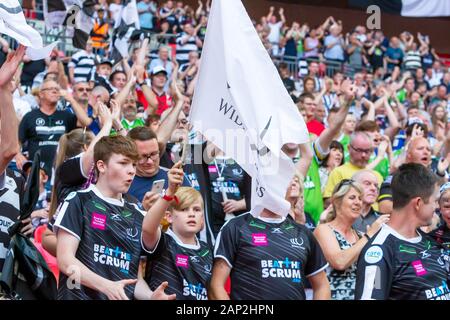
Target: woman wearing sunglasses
(340, 242)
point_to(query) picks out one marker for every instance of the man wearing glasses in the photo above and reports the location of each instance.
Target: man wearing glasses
(148, 168)
(360, 150)
(42, 128)
(78, 104)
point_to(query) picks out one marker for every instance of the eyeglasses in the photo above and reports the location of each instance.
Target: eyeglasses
(368, 151)
(50, 89)
(144, 158)
(84, 89)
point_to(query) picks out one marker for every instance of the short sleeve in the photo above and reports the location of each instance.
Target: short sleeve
(227, 243)
(70, 216)
(159, 248)
(374, 273)
(316, 260)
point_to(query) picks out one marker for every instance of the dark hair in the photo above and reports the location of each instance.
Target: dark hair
(111, 77)
(368, 126)
(412, 180)
(334, 145)
(305, 95)
(410, 128)
(107, 146)
(142, 134)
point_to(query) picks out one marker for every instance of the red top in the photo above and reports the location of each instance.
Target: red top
(315, 127)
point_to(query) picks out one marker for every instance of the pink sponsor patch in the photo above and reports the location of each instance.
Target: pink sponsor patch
(212, 169)
(182, 261)
(418, 267)
(259, 239)
(98, 221)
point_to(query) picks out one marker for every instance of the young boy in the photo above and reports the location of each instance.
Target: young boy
(98, 231)
(177, 256)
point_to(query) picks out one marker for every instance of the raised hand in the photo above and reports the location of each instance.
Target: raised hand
(175, 175)
(9, 67)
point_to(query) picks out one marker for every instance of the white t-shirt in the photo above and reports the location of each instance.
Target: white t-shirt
(275, 30)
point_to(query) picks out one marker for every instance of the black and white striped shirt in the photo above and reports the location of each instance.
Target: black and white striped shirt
(184, 49)
(84, 64)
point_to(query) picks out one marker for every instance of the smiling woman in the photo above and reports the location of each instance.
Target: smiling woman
(340, 242)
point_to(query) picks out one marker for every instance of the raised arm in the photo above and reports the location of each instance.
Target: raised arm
(151, 231)
(9, 146)
(169, 123)
(348, 93)
(305, 159)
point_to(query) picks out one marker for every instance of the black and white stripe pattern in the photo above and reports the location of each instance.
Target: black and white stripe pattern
(84, 64)
(407, 8)
(184, 49)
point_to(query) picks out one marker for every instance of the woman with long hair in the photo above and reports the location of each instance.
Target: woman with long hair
(340, 242)
(333, 159)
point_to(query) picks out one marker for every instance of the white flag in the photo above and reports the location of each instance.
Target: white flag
(13, 24)
(240, 93)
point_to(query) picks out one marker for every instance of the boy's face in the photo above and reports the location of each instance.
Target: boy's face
(188, 221)
(119, 171)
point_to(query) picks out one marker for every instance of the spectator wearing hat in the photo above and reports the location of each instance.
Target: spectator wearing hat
(159, 100)
(102, 73)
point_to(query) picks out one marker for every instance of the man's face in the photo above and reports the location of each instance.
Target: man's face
(426, 210)
(148, 165)
(419, 151)
(119, 171)
(182, 129)
(49, 92)
(313, 68)
(119, 81)
(369, 183)
(81, 92)
(320, 113)
(189, 29)
(409, 85)
(104, 70)
(310, 107)
(159, 80)
(129, 108)
(444, 206)
(360, 150)
(164, 54)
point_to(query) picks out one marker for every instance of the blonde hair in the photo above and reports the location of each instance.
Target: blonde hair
(339, 192)
(186, 197)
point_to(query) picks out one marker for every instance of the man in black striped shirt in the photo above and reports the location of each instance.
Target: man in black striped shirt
(82, 65)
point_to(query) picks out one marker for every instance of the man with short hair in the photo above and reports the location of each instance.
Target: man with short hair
(368, 180)
(401, 262)
(41, 129)
(307, 101)
(360, 149)
(148, 169)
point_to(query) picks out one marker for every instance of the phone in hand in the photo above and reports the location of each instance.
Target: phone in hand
(158, 186)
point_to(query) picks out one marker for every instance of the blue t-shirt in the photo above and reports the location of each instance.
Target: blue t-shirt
(146, 18)
(141, 185)
(94, 126)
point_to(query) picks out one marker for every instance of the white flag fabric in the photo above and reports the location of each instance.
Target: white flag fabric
(240, 93)
(13, 24)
